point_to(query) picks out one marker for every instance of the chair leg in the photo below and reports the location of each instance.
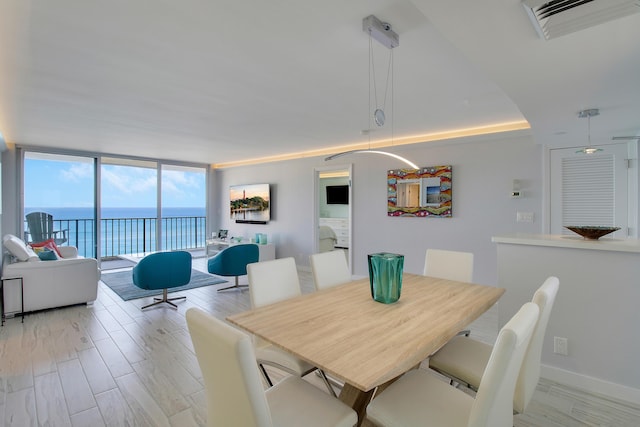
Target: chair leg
(327, 382)
(163, 299)
(236, 286)
(265, 375)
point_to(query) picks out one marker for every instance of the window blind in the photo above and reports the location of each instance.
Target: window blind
(588, 184)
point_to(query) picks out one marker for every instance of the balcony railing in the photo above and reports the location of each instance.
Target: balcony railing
(121, 236)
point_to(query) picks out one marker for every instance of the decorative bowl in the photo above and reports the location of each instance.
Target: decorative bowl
(591, 232)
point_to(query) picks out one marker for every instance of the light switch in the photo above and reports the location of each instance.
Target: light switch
(524, 217)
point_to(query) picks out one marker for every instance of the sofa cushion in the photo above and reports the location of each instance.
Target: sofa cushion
(18, 248)
(47, 244)
(47, 254)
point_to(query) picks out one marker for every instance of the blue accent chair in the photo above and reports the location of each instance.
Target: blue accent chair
(233, 261)
(163, 270)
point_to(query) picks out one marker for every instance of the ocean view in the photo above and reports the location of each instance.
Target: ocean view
(129, 230)
(87, 213)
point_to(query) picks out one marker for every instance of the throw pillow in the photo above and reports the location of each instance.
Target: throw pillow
(17, 247)
(47, 254)
(47, 244)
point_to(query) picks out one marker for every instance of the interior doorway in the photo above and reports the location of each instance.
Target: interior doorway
(333, 210)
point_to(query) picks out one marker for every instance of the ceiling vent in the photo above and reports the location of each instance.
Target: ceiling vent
(559, 17)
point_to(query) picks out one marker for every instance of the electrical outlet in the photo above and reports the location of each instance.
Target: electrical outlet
(561, 346)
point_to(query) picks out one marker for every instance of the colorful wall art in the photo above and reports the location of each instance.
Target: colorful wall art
(424, 192)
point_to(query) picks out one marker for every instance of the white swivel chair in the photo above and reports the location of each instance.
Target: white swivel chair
(329, 269)
(271, 282)
(464, 359)
(418, 398)
(235, 395)
(451, 265)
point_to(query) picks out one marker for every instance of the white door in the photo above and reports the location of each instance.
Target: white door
(590, 189)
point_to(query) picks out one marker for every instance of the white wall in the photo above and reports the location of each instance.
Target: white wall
(483, 172)
(291, 224)
(11, 218)
(596, 310)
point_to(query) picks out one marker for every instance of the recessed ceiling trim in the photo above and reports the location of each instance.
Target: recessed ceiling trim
(385, 143)
(556, 18)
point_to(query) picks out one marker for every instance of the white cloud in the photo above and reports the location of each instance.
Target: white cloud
(77, 172)
(129, 181)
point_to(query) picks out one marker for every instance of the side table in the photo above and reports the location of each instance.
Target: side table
(2, 280)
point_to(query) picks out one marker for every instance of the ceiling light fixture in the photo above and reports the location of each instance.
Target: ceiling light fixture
(382, 32)
(384, 153)
(588, 114)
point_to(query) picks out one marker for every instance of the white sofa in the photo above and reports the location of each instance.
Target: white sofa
(69, 280)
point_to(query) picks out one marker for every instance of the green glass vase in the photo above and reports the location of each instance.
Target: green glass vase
(385, 276)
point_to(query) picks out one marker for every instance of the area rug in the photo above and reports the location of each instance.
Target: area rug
(116, 264)
(121, 283)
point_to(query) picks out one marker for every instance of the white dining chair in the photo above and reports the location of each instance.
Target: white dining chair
(464, 359)
(329, 269)
(418, 398)
(271, 282)
(451, 265)
(235, 395)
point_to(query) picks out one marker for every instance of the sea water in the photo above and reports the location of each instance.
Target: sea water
(129, 230)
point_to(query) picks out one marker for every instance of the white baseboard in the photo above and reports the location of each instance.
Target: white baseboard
(591, 385)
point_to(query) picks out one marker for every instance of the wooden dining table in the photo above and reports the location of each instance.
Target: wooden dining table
(364, 343)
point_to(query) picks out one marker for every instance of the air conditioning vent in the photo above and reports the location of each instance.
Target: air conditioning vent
(559, 17)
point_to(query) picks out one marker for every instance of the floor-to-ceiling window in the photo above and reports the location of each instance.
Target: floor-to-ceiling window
(110, 206)
(183, 205)
(62, 186)
(128, 206)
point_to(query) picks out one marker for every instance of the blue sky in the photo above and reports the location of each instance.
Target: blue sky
(70, 182)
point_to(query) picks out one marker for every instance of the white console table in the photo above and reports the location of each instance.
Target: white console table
(267, 250)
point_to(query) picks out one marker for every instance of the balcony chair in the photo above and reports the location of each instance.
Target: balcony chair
(41, 228)
(329, 269)
(232, 261)
(163, 270)
(271, 282)
(418, 398)
(464, 359)
(235, 395)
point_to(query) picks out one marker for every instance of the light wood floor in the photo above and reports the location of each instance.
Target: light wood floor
(115, 365)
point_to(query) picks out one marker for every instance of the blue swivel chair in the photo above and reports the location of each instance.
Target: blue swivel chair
(163, 270)
(233, 261)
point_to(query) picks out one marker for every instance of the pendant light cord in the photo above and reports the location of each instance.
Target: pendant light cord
(589, 130)
(369, 109)
(372, 71)
(393, 112)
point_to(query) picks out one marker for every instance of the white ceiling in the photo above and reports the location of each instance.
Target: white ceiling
(218, 81)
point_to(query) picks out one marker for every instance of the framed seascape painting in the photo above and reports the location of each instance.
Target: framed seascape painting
(424, 192)
(250, 204)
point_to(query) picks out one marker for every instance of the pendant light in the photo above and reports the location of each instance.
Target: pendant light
(588, 114)
(383, 33)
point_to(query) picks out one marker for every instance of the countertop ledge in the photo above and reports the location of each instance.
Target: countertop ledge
(568, 241)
